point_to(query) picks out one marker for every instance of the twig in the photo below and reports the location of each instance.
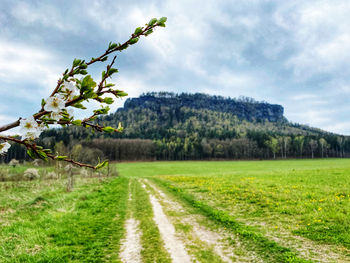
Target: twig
(34, 148)
(10, 126)
(100, 85)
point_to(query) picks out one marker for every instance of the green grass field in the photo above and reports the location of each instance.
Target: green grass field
(308, 198)
(264, 211)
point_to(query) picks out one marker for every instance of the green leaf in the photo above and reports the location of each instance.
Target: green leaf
(61, 158)
(123, 47)
(42, 155)
(64, 114)
(43, 102)
(112, 45)
(90, 94)
(108, 100)
(76, 62)
(47, 151)
(138, 30)
(103, 110)
(111, 71)
(76, 71)
(79, 106)
(133, 40)
(83, 66)
(152, 21)
(162, 19)
(108, 129)
(148, 32)
(121, 93)
(32, 154)
(87, 83)
(104, 58)
(76, 122)
(83, 72)
(109, 85)
(101, 165)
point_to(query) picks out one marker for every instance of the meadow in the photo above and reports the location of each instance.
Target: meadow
(255, 211)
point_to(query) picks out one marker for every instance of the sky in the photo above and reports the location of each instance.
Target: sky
(293, 53)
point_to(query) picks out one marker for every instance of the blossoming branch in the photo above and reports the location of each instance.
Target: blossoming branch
(73, 89)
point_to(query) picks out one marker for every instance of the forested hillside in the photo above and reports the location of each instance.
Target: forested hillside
(167, 126)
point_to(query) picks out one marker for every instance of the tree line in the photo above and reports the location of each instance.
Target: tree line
(154, 130)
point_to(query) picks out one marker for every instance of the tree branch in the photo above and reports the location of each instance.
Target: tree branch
(87, 91)
(51, 156)
(10, 126)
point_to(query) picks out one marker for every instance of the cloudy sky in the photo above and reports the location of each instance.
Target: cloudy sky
(294, 53)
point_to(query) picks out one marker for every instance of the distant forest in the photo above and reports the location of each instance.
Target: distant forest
(168, 126)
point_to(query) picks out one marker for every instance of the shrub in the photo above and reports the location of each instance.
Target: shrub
(52, 175)
(14, 162)
(31, 174)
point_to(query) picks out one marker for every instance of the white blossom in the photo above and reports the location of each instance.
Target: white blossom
(30, 128)
(55, 103)
(31, 135)
(4, 147)
(69, 89)
(55, 116)
(28, 124)
(41, 127)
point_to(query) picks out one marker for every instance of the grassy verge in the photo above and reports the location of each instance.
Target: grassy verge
(42, 223)
(151, 242)
(268, 249)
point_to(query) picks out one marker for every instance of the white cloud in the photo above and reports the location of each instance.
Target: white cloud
(340, 127)
(301, 113)
(319, 32)
(27, 64)
(4, 119)
(43, 13)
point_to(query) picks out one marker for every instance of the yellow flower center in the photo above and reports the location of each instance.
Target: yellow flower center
(28, 125)
(55, 103)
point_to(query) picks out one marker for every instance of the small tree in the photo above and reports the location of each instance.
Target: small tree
(323, 144)
(313, 145)
(286, 143)
(73, 89)
(272, 144)
(299, 141)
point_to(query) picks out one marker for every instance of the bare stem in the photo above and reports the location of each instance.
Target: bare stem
(100, 85)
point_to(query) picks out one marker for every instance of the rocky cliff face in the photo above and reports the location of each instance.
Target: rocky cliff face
(244, 109)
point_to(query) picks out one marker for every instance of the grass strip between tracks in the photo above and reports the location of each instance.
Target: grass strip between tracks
(152, 245)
